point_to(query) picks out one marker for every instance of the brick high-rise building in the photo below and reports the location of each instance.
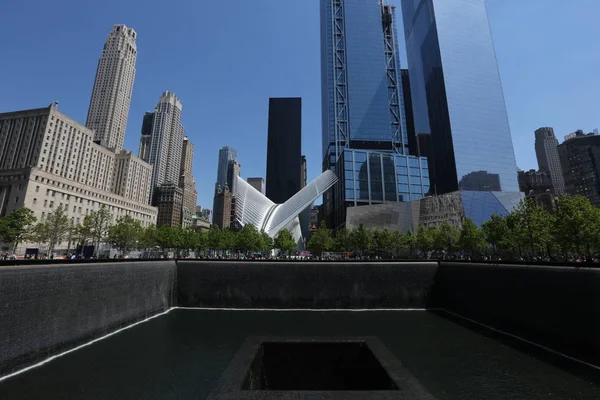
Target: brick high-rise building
(113, 86)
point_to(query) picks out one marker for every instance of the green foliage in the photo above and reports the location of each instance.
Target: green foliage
(228, 239)
(471, 237)
(361, 239)
(321, 240)
(411, 242)
(285, 242)
(15, 227)
(249, 239)
(57, 226)
(530, 227)
(97, 224)
(148, 237)
(424, 239)
(577, 225)
(125, 234)
(496, 233)
(342, 242)
(166, 238)
(446, 238)
(383, 241)
(214, 238)
(266, 242)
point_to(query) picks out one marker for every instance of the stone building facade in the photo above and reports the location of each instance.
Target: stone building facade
(47, 160)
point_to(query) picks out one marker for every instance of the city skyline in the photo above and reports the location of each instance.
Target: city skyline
(210, 131)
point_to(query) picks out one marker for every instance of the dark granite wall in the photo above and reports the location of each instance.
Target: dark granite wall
(304, 285)
(48, 309)
(558, 307)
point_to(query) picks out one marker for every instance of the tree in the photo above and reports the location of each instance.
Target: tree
(266, 242)
(201, 242)
(57, 225)
(214, 238)
(446, 237)
(228, 239)
(39, 234)
(188, 239)
(399, 242)
(320, 240)
(577, 224)
(97, 223)
(382, 241)
(15, 227)
(148, 237)
(411, 242)
(496, 232)
(71, 235)
(342, 242)
(361, 238)
(532, 225)
(424, 240)
(125, 234)
(248, 239)
(166, 238)
(285, 242)
(82, 235)
(471, 237)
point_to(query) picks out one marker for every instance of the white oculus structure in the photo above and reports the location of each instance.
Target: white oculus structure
(253, 207)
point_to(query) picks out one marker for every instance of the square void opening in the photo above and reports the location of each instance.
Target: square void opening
(316, 366)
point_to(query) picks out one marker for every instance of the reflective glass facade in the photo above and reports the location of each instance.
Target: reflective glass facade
(362, 94)
(452, 208)
(375, 177)
(457, 95)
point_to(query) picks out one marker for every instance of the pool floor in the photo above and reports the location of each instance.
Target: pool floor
(182, 354)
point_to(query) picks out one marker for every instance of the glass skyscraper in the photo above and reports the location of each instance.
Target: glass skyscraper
(457, 95)
(360, 76)
(365, 137)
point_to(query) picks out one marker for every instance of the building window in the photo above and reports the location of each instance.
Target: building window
(37, 189)
(34, 201)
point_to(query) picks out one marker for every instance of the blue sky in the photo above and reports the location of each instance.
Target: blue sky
(225, 59)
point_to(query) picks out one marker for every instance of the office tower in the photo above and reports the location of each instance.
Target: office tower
(233, 171)
(365, 137)
(49, 160)
(546, 150)
(168, 198)
(187, 183)
(362, 95)
(133, 177)
(166, 140)
(146, 137)
(303, 172)
(111, 96)
(580, 161)
(456, 92)
(226, 154)
(413, 145)
(284, 148)
(258, 184)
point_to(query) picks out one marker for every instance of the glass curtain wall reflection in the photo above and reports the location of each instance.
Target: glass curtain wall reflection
(374, 177)
(457, 95)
